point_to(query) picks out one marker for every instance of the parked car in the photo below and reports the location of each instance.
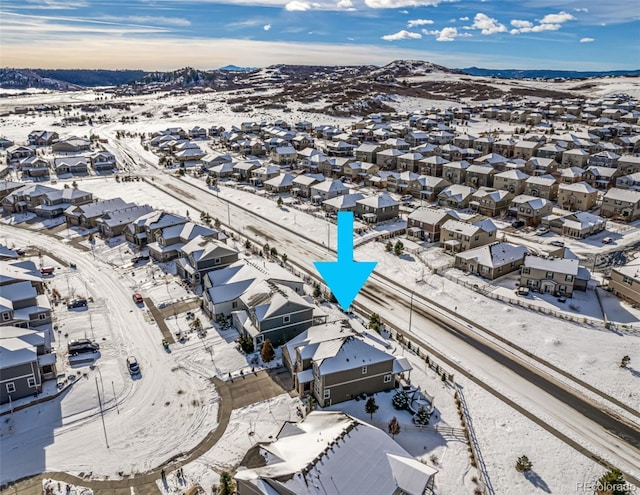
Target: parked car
(543, 229)
(77, 303)
(406, 198)
(133, 365)
(137, 298)
(47, 270)
(516, 224)
(607, 240)
(82, 345)
(557, 243)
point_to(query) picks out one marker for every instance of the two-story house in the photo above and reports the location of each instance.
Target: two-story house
(622, 204)
(87, 215)
(425, 223)
(377, 208)
(530, 209)
(625, 281)
(513, 180)
(203, 254)
(455, 172)
(457, 236)
(456, 196)
(492, 260)
(115, 222)
(146, 228)
(170, 240)
(557, 276)
(491, 202)
(578, 196)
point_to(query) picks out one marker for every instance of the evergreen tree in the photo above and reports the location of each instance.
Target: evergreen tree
(393, 427)
(216, 223)
(279, 202)
(274, 252)
(208, 181)
(389, 247)
(612, 483)
(370, 407)
(422, 417)
(332, 298)
(267, 353)
(374, 322)
(400, 401)
(398, 248)
(227, 485)
(625, 361)
(247, 244)
(524, 464)
(266, 249)
(284, 257)
(317, 293)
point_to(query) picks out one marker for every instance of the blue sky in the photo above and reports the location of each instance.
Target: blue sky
(168, 34)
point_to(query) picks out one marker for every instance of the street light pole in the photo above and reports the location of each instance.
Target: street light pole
(410, 311)
(104, 427)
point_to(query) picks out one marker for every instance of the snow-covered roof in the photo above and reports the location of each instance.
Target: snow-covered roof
(282, 180)
(558, 265)
(329, 186)
(383, 200)
(535, 203)
(344, 201)
(626, 195)
(333, 446)
(581, 187)
(494, 255)
(432, 216)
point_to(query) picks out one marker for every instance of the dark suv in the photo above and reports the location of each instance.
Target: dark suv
(77, 303)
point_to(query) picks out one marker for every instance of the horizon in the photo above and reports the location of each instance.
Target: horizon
(159, 35)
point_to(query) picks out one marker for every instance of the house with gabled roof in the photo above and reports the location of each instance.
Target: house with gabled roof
(242, 170)
(491, 202)
(512, 180)
(328, 189)
(557, 276)
(530, 209)
(571, 175)
(284, 155)
(432, 165)
(425, 223)
(367, 152)
(457, 236)
(42, 138)
(629, 181)
(76, 165)
(34, 166)
(88, 214)
(492, 260)
(203, 254)
(629, 164)
(377, 208)
(170, 240)
(146, 228)
(600, 177)
(16, 153)
(103, 161)
(344, 360)
(578, 196)
(625, 281)
(455, 172)
(621, 204)
(387, 159)
(577, 225)
(456, 196)
(279, 184)
(576, 157)
(332, 446)
(72, 144)
(23, 302)
(115, 222)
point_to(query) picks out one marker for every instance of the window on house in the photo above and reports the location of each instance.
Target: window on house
(525, 270)
(549, 275)
(286, 319)
(6, 316)
(477, 238)
(31, 382)
(42, 316)
(234, 304)
(11, 388)
(364, 370)
(568, 278)
(217, 261)
(327, 393)
(387, 378)
(627, 280)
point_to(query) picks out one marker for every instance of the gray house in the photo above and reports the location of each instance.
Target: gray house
(201, 255)
(25, 362)
(377, 208)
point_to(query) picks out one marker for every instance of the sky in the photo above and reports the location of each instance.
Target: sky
(206, 34)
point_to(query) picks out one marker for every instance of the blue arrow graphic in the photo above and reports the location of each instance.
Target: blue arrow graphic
(345, 277)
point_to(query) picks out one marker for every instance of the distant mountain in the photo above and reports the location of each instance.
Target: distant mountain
(235, 68)
(407, 68)
(27, 78)
(65, 79)
(545, 74)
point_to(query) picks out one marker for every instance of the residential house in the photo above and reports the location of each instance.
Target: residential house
(537, 166)
(115, 222)
(409, 161)
(431, 186)
(34, 166)
(7, 187)
(170, 240)
(625, 281)
(147, 228)
(17, 153)
(262, 174)
(621, 204)
(301, 185)
(629, 164)
(279, 184)
(557, 276)
(576, 225)
(211, 160)
(242, 170)
(330, 445)
(284, 155)
(103, 161)
(71, 144)
(339, 358)
(513, 180)
(530, 209)
(197, 132)
(630, 181)
(524, 149)
(387, 159)
(432, 165)
(201, 255)
(492, 260)
(457, 236)
(505, 147)
(552, 151)
(455, 172)
(600, 177)
(378, 208)
(404, 183)
(604, 159)
(345, 202)
(491, 202)
(367, 152)
(578, 196)
(456, 196)
(189, 154)
(328, 189)
(576, 157)
(484, 144)
(480, 175)
(23, 302)
(76, 165)
(425, 223)
(87, 215)
(26, 361)
(42, 138)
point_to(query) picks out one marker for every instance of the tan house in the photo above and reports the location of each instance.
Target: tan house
(542, 186)
(491, 202)
(540, 166)
(525, 149)
(622, 204)
(480, 175)
(513, 181)
(625, 281)
(579, 196)
(425, 223)
(530, 209)
(629, 164)
(577, 157)
(456, 196)
(577, 225)
(491, 261)
(455, 172)
(459, 236)
(557, 276)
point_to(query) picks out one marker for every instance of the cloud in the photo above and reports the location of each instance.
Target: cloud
(558, 18)
(345, 4)
(487, 25)
(396, 4)
(418, 22)
(587, 40)
(583, 9)
(405, 12)
(53, 4)
(521, 24)
(463, 19)
(146, 19)
(402, 35)
(297, 6)
(266, 27)
(447, 34)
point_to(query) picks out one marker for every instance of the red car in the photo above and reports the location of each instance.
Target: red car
(137, 298)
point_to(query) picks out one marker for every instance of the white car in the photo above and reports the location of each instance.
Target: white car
(133, 366)
(543, 229)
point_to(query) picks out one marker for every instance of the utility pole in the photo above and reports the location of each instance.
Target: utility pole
(410, 311)
(104, 427)
(228, 214)
(113, 387)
